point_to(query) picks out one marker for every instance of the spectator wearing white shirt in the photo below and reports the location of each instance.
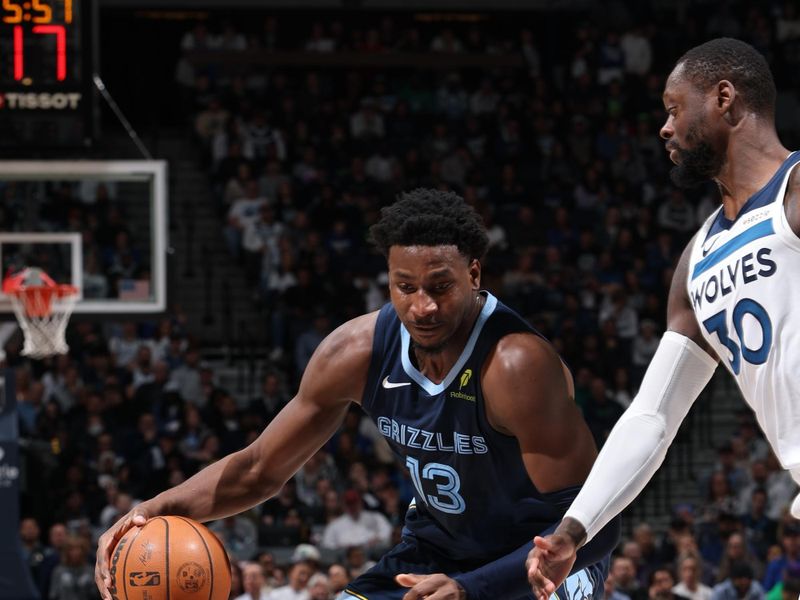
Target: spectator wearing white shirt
(297, 588)
(125, 347)
(319, 588)
(260, 242)
(320, 41)
(637, 51)
(690, 585)
(367, 122)
(186, 379)
(253, 583)
(357, 527)
(241, 215)
(485, 100)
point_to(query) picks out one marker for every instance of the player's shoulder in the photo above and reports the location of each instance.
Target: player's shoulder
(339, 367)
(522, 354)
(352, 340)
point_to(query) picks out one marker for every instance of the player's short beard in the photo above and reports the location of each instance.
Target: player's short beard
(698, 164)
(437, 349)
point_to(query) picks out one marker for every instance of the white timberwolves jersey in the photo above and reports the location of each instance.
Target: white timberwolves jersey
(744, 286)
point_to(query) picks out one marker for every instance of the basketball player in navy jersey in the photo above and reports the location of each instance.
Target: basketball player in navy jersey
(733, 296)
(475, 403)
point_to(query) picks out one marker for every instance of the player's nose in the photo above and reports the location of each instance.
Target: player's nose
(423, 305)
(667, 131)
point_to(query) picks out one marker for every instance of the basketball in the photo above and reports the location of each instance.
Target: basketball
(170, 558)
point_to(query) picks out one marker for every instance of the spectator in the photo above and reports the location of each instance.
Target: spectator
(357, 562)
(297, 586)
(740, 585)
(239, 535)
(252, 583)
(759, 529)
(737, 552)
(319, 587)
(125, 346)
(446, 43)
(790, 544)
(237, 584)
(689, 585)
(661, 583)
(33, 552)
(338, 578)
(624, 573)
(357, 526)
(367, 123)
(73, 579)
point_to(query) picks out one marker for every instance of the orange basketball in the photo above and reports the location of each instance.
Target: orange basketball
(170, 558)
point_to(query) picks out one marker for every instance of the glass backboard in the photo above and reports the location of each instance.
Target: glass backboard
(98, 225)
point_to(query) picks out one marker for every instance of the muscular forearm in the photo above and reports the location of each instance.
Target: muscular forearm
(226, 487)
(639, 441)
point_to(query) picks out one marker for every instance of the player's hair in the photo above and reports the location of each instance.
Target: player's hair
(429, 217)
(738, 62)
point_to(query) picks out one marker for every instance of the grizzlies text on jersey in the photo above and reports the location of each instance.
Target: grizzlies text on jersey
(474, 498)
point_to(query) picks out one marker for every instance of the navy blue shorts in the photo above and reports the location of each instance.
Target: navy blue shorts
(407, 557)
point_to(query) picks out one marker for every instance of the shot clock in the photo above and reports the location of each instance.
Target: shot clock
(46, 66)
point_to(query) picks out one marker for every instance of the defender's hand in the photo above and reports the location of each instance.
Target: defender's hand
(106, 544)
(431, 587)
(549, 563)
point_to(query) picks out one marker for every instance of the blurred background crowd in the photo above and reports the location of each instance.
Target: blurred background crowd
(557, 149)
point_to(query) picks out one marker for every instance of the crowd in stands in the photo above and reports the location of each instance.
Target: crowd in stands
(561, 157)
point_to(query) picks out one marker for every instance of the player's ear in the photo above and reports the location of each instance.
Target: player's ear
(475, 274)
(726, 101)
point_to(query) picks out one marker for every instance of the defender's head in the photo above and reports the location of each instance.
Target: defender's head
(711, 90)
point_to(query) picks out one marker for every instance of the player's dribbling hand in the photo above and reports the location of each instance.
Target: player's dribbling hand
(106, 544)
(549, 563)
(431, 587)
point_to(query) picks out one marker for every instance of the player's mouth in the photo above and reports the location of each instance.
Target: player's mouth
(674, 153)
(427, 328)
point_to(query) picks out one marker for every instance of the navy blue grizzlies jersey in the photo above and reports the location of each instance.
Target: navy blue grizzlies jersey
(474, 499)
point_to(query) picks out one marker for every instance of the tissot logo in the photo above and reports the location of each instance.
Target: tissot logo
(42, 101)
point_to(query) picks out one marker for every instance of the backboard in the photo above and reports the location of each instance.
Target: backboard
(98, 225)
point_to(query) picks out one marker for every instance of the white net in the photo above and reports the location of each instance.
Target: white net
(45, 334)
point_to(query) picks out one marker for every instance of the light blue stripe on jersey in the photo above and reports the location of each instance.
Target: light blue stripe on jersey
(438, 388)
(756, 232)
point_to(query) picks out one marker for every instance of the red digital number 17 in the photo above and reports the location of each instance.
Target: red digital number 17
(61, 49)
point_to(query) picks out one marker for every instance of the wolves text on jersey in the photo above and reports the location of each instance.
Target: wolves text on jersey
(747, 269)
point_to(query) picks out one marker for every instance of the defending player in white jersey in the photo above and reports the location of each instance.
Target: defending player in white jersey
(731, 296)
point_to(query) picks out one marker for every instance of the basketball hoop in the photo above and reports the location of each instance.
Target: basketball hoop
(43, 308)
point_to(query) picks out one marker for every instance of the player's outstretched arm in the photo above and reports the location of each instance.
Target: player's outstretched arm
(636, 447)
(335, 376)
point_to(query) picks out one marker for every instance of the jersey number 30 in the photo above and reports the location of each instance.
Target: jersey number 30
(448, 483)
(718, 324)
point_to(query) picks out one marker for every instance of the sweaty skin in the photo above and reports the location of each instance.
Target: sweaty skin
(434, 290)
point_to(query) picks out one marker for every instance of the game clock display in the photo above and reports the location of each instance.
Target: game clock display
(46, 66)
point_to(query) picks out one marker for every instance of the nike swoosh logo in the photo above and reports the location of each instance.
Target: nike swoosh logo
(707, 248)
(389, 385)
